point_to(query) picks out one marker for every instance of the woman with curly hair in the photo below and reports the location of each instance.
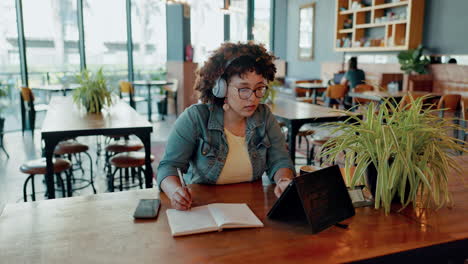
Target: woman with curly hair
(230, 137)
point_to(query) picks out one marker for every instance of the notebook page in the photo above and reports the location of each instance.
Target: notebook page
(196, 220)
(234, 215)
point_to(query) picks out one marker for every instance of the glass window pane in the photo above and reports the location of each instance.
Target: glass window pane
(149, 38)
(207, 27)
(106, 38)
(238, 11)
(10, 76)
(51, 32)
(261, 28)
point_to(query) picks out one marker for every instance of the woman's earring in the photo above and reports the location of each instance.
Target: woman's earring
(225, 105)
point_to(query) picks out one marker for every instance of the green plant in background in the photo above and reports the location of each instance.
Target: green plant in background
(409, 147)
(413, 60)
(93, 92)
(270, 94)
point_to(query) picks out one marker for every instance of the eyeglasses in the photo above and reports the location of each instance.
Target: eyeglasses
(245, 93)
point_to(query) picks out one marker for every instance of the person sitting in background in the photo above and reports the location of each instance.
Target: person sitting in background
(352, 77)
(230, 137)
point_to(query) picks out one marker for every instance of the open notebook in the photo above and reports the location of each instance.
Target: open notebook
(212, 217)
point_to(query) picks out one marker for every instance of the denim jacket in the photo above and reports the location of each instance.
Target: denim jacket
(198, 146)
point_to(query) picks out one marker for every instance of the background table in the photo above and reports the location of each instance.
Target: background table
(312, 87)
(148, 84)
(295, 114)
(64, 120)
(101, 229)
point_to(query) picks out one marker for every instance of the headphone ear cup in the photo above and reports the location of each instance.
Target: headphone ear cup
(220, 88)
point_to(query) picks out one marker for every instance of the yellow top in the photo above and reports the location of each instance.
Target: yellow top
(237, 167)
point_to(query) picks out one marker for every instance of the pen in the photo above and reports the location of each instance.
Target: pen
(181, 178)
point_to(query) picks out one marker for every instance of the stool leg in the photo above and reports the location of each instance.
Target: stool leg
(91, 178)
(308, 162)
(69, 179)
(33, 188)
(133, 172)
(25, 195)
(60, 180)
(139, 177)
(110, 182)
(121, 183)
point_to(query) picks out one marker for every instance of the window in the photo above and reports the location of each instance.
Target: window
(238, 11)
(51, 34)
(10, 76)
(261, 28)
(149, 38)
(207, 27)
(106, 38)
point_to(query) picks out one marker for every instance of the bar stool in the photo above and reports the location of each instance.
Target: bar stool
(120, 146)
(134, 160)
(39, 166)
(72, 148)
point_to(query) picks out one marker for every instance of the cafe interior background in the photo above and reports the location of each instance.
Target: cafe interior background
(47, 43)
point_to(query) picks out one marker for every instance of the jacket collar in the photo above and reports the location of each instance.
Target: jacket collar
(216, 119)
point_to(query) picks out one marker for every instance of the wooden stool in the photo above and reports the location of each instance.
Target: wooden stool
(127, 160)
(39, 166)
(72, 147)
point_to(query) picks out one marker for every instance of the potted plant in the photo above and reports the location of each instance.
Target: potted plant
(413, 62)
(93, 92)
(408, 146)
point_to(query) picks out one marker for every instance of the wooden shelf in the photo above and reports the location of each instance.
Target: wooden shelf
(348, 30)
(390, 5)
(364, 49)
(381, 24)
(406, 33)
(364, 9)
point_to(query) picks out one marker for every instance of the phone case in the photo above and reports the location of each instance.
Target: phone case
(147, 208)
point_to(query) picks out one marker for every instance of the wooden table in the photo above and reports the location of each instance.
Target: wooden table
(312, 87)
(295, 114)
(148, 84)
(380, 96)
(100, 229)
(64, 120)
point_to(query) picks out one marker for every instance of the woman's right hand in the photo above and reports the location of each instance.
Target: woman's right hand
(181, 198)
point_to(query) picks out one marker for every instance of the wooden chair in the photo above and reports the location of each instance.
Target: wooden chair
(451, 105)
(360, 88)
(127, 88)
(171, 91)
(336, 94)
(29, 109)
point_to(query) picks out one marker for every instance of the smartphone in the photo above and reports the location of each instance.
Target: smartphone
(147, 208)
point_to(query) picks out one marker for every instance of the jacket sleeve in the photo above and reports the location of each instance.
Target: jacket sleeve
(180, 145)
(277, 155)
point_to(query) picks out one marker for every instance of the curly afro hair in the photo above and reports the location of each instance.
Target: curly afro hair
(243, 58)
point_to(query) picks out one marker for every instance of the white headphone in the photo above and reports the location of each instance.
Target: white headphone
(220, 87)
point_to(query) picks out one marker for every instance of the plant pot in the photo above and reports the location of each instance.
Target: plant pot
(88, 108)
(371, 179)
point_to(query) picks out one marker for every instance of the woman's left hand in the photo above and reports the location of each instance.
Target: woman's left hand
(281, 186)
